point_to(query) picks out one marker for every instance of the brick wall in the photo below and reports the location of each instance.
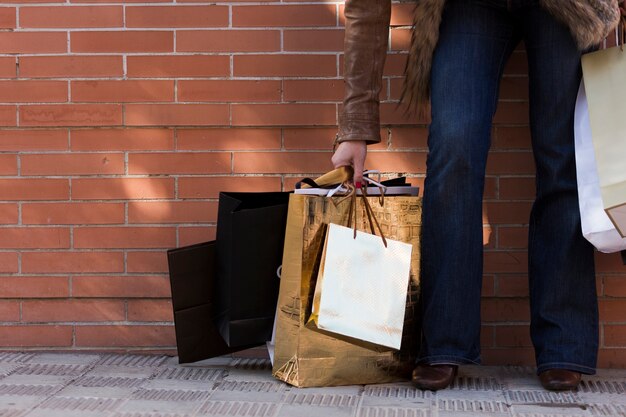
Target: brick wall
(121, 122)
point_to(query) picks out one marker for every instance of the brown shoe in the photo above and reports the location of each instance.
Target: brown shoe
(433, 377)
(559, 379)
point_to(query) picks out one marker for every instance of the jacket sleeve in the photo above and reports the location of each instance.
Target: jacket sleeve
(365, 50)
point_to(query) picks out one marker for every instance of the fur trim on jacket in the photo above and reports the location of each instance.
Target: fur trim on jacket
(589, 21)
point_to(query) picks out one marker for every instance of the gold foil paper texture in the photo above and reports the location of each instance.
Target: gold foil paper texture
(307, 357)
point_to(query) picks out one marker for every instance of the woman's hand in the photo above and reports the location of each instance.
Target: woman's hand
(352, 153)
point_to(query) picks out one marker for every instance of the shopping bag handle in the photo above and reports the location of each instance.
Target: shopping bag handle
(352, 212)
(328, 180)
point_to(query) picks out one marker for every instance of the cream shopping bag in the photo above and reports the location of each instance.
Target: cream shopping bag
(596, 225)
(604, 75)
(362, 284)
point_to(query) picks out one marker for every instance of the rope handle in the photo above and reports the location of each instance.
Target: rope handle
(352, 213)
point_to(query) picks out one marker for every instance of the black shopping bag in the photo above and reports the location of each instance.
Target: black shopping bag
(192, 273)
(250, 239)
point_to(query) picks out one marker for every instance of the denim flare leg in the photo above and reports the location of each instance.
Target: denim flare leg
(476, 39)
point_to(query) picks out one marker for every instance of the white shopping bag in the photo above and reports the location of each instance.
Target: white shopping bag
(597, 227)
(362, 286)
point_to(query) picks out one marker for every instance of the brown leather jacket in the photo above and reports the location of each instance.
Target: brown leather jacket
(365, 48)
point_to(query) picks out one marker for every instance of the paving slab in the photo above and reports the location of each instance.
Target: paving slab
(36, 384)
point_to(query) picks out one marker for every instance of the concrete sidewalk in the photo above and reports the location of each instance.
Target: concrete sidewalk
(107, 385)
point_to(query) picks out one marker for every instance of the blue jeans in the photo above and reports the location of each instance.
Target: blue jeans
(476, 39)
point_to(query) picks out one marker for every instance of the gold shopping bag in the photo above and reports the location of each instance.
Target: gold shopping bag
(604, 76)
(307, 357)
(361, 287)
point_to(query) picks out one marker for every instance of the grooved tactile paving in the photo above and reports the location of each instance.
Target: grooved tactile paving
(116, 385)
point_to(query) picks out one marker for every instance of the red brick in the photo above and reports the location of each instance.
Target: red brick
(124, 237)
(8, 67)
(504, 212)
(228, 41)
(122, 41)
(402, 14)
(35, 336)
(34, 238)
(8, 213)
(506, 261)
(172, 212)
(210, 187)
(309, 138)
(72, 17)
(514, 88)
(508, 163)
(72, 164)
(141, 286)
(608, 262)
(178, 66)
(34, 189)
(393, 114)
(505, 310)
(517, 64)
(615, 336)
(151, 262)
(8, 116)
(511, 112)
(490, 188)
(179, 163)
(394, 64)
(284, 66)
(150, 310)
(122, 188)
(8, 262)
(612, 310)
(125, 336)
(9, 311)
(512, 237)
(615, 286)
(71, 115)
(313, 90)
(177, 115)
(228, 90)
(8, 164)
(33, 140)
(513, 336)
(612, 358)
(34, 287)
(7, 17)
(122, 91)
(508, 137)
(63, 262)
(517, 188)
(33, 42)
(118, 1)
(33, 91)
(176, 16)
(508, 357)
(488, 287)
(192, 235)
(226, 139)
(281, 162)
(409, 138)
(283, 114)
(397, 162)
(284, 15)
(122, 139)
(71, 66)
(512, 285)
(38, 311)
(313, 40)
(73, 213)
(400, 39)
